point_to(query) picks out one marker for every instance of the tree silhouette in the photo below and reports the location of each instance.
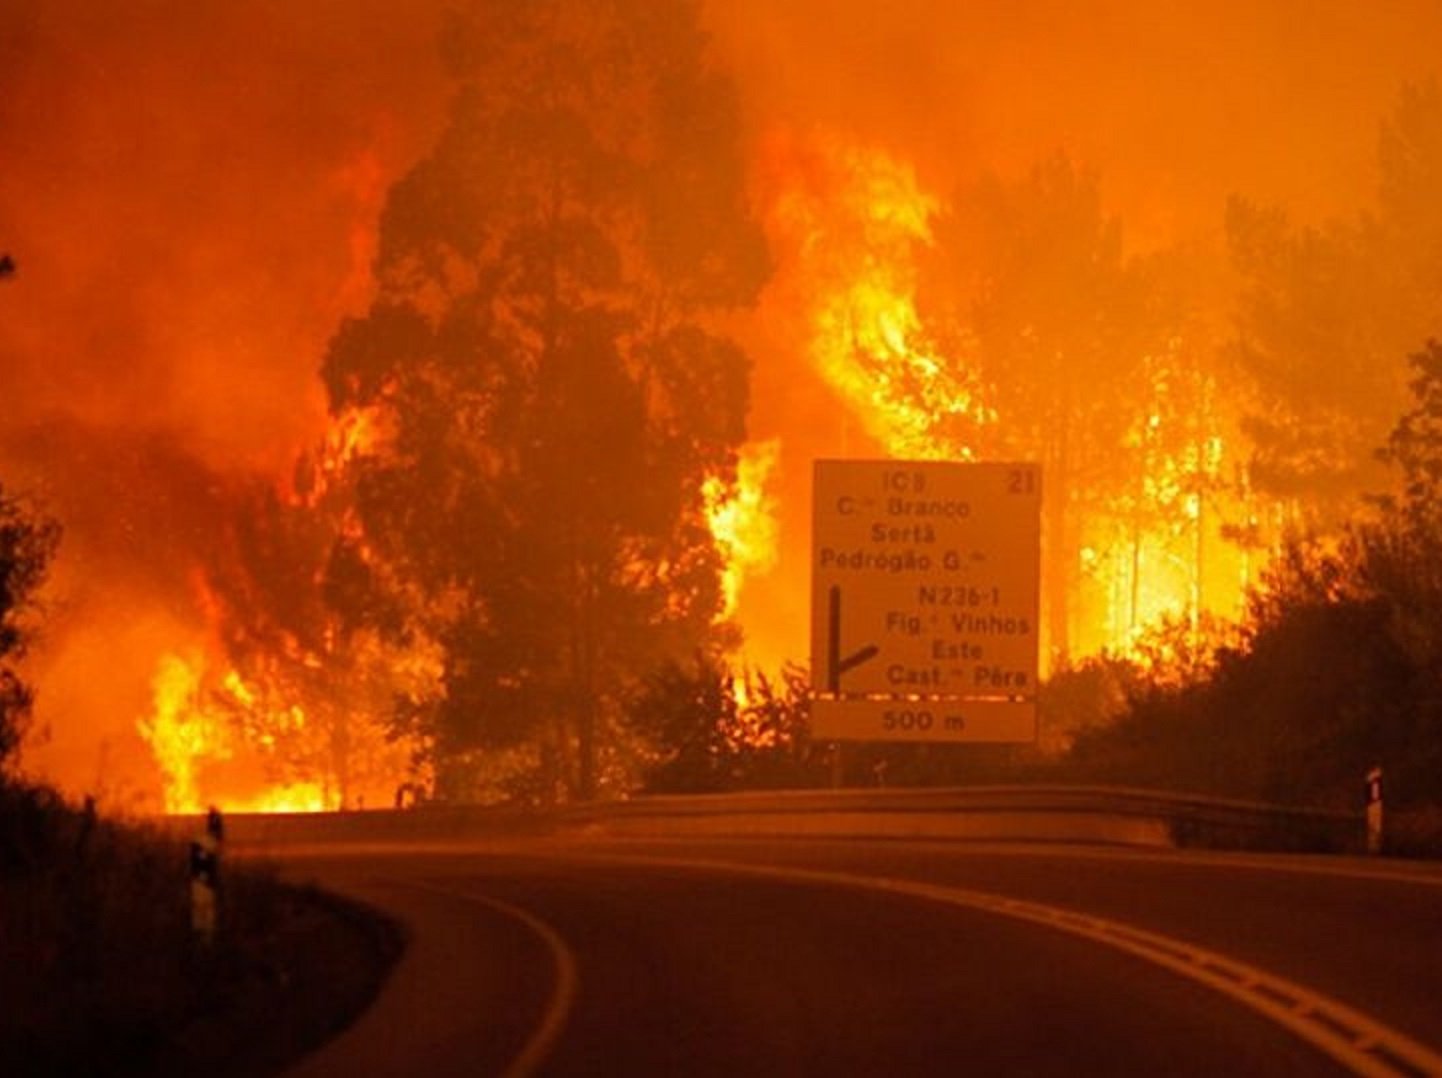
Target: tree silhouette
(27, 543)
(541, 362)
(1060, 326)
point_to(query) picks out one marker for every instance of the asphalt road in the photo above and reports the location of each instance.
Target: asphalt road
(889, 958)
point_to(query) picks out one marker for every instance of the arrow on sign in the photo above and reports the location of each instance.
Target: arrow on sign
(835, 664)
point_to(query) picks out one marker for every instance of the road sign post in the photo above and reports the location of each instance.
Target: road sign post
(925, 593)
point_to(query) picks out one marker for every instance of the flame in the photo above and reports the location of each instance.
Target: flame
(742, 519)
(221, 740)
(350, 436)
(849, 223)
(286, 726)
(357, 432)
(190, 734)
(176, 733)
(287, 797)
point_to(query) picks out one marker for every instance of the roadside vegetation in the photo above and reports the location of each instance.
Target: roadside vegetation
(100, 970)
(1336, 668)
(706, 729)
(101, 973)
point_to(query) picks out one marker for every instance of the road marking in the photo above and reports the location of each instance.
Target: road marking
(1423, 874)
(558, 1008)
(1359, 1042)
(1284, 863)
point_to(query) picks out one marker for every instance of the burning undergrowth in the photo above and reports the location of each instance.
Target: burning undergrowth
(237, 673)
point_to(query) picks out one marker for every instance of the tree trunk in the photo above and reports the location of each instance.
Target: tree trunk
(1057, 575)
(587, 704)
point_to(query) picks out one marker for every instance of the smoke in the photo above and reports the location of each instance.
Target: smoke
(1177, 104)
(179, 186)
(190, 193)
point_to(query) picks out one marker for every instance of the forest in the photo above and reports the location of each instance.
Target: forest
(507, 564)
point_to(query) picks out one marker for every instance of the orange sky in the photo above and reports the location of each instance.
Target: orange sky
(1178, 104)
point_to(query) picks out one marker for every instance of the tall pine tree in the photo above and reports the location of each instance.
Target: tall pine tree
(544, 368)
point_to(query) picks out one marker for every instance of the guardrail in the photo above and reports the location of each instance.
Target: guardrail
(1016, 813)
(1038, 813)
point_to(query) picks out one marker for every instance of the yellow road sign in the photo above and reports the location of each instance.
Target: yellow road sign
(925, 579)
(936, 719)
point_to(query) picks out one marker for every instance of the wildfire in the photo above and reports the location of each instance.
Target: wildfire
(176, 734)
(221, 740)
(197, 747)
(291, 714)
(304, 728)
(743, 520)
(849, 223)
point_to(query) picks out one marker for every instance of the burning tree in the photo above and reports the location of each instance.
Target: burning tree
(318, 671)
(1010, 322)
(27, 543)
(555, 406)
(1066, 334)
(1338, 668)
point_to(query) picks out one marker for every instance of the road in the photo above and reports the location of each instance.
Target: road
(790, 957)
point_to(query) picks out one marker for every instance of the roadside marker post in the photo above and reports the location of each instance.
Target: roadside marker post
(205, 877)
(1374, 810)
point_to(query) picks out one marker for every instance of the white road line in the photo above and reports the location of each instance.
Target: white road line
(558, 1008)
(1359, 1042)
(1423, 874)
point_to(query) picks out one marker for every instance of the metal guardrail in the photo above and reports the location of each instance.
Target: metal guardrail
(1186, 820)
(1038, 813)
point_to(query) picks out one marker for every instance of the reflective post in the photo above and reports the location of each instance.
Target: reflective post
(1374, 810)
(205, 877)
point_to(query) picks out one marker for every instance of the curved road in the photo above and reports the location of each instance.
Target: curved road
(889, 957)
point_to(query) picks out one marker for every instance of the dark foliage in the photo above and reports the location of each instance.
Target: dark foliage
(703, 739)
(100, 973)
(27, 542)
(1341, 667)
(544, 361)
